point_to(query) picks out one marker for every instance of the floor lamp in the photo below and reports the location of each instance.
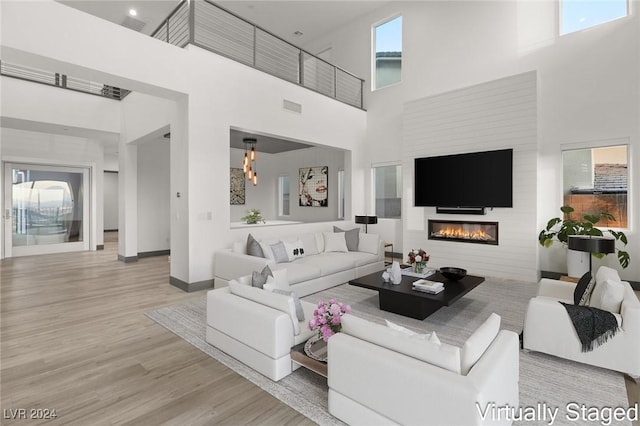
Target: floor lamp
(591, 244)
(366, 220)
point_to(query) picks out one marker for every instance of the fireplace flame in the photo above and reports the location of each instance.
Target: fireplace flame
(459, 232)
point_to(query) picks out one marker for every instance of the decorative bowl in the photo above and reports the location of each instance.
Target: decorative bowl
(452, 273)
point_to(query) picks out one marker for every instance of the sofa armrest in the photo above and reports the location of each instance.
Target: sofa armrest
(561, 290)
(258, 326)
(630, 312)
(231, 265)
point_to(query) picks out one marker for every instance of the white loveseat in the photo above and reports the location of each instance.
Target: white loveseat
(548, 328)
(317, 270)
(377, 375)
(256, 327)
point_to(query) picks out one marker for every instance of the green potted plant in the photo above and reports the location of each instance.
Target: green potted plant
(253, 216)
(585, 226)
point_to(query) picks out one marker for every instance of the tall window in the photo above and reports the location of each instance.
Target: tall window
(576, 15)
(340, 194)
(388, 191)
(283, 196)
(596, 180)
(387, 52)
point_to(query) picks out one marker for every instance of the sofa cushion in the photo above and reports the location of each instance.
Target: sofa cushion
(298, 271)
(478, 343)
(309, 243)
(606, 273)
(295, 249)
(583, 290)
(330, 263)
(351, 237)
(258, 279)
(279, 302)
(279, 252)
(334, 241)
(432, 337)
(360, 258)
(253, 247)
(439, 354)
(369, 243)
(608, 296)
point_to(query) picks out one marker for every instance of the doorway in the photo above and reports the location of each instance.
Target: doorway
(46, 209)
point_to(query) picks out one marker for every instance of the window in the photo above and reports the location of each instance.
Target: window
(596, 180)
(576, 15)
(340, 194)
(387, 52)
(388, 191)
(283, 196)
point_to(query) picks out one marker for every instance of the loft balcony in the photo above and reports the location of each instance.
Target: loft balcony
(208, 26)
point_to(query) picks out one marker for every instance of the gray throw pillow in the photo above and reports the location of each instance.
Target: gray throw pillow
(296, 302)
(584, 288)
(279, 252)
(352, 237)
(253, 247)
(258, 279)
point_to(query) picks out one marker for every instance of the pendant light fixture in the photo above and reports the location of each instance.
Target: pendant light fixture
(249, 161)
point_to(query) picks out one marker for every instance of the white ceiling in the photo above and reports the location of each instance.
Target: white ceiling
(283, 18)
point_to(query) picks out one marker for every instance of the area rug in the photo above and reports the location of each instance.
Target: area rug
(545, 381)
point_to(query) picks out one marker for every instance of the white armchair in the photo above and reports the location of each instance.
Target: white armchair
(548, 329)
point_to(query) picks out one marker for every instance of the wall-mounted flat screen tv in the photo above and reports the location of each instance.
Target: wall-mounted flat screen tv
(478, 179)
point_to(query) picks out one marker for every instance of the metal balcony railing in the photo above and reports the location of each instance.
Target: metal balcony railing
(208, 26)
(62, 81)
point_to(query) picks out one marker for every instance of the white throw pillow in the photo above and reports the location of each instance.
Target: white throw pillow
(266, 248)
(281, 279)
(431, 337)
(240, 247)
(479, 341)
(276, 301)
(319, 241)
(369, 243)
(605, 273)
(295, 250)
(309, 243)
(335, 241)
(441, 355)
(608, 296)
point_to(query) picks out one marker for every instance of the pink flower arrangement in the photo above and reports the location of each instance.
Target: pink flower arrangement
(327, 318)
(418, 255)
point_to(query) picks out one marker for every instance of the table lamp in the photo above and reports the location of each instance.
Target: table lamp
(366, 220)
(592, 244)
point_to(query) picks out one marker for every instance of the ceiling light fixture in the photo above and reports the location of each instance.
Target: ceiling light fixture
(249, 161)
(298, 33)
(133, 12)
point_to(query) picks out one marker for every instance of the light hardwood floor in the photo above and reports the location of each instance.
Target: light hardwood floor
(74, 338)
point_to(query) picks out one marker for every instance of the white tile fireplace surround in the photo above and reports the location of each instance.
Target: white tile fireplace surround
(463, 231)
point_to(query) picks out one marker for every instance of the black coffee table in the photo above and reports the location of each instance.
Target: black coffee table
(402, 299)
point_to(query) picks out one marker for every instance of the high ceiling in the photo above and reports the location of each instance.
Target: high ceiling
(283, 18)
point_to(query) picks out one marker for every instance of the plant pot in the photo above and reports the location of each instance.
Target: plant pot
(577, 263)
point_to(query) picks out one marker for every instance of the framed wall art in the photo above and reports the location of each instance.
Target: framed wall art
(314, 186)
(237, 180)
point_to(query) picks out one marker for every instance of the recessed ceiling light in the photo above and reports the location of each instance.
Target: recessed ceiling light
(133, 12)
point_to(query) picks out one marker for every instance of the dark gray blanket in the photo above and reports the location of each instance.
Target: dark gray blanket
(594, 326)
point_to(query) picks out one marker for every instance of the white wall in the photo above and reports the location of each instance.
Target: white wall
(110, 201)
(153, 196)
(588, 82)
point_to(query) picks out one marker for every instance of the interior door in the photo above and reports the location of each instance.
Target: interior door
(46, 209)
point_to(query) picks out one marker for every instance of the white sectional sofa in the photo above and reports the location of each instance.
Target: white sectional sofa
(317, 270)
(381, 376)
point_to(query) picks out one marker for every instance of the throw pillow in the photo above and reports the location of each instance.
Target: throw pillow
(351, 237)
(295, 250)
(253, 247)
(432, 337)
(608, 296)
(309, 243)
(319, 241)
(581, 287)
(258, 279)
(369, 243)
(279, 252)
(265, 245)
(239, 247)
(334, 242)
(479, 341)
(281, 279)
(296, 301)
(605, 273)
(584, 300)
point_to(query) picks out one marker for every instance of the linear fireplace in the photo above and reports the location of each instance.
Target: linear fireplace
(464, 231)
